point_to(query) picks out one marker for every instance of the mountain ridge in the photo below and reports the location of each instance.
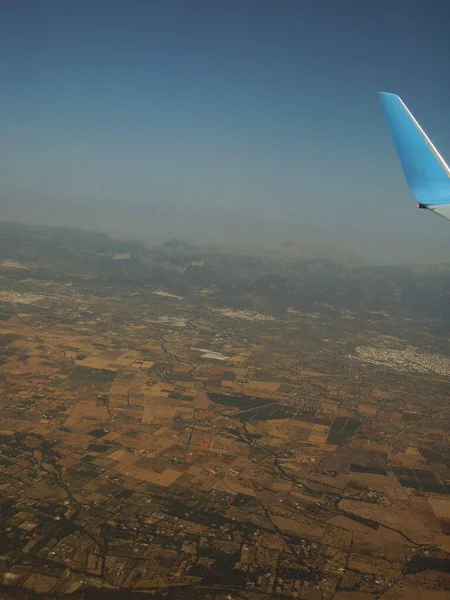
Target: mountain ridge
(268, 282)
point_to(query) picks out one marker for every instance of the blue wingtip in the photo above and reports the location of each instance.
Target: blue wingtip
(387, 98)
(423, 167)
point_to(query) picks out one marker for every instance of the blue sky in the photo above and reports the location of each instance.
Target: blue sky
(222, 120)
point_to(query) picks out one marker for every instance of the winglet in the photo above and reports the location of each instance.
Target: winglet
(426, 172)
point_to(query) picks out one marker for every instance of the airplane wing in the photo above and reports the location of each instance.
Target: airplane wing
(426, 172)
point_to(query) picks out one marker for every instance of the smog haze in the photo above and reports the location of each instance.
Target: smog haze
(250, 123)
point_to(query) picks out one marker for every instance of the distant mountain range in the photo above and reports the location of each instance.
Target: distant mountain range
(291, 277)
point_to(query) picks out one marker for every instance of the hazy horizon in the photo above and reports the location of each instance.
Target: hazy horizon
(365, 250)
(251, 123)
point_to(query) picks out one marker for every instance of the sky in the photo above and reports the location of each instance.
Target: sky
(228, 121)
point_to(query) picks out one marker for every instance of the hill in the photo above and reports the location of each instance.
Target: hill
(271, 282)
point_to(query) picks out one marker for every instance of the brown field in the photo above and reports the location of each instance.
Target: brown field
(140, 473)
